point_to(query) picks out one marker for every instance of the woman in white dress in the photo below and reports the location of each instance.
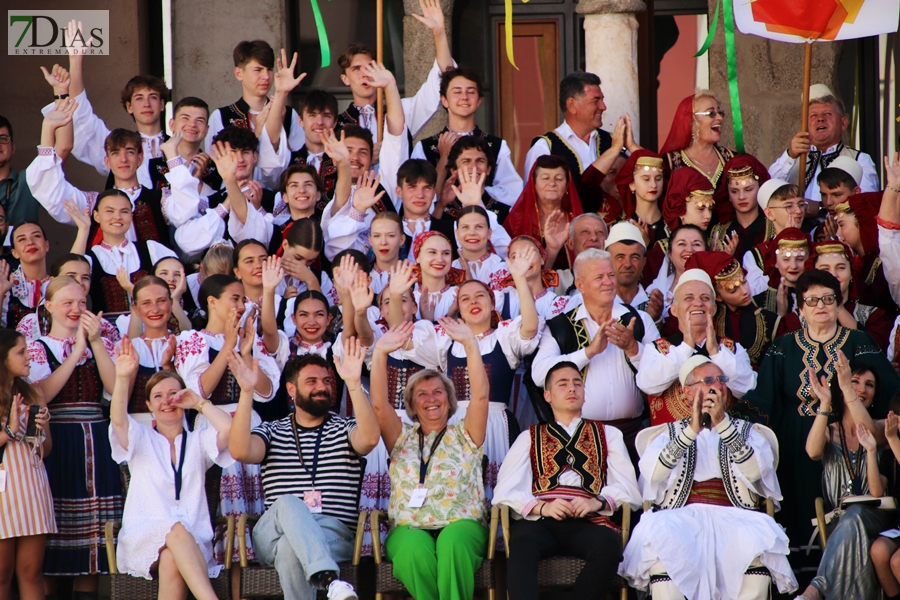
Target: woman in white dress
(166, 525)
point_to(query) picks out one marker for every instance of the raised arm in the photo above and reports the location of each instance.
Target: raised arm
(126, 367)
(344, 275)
(890, 201)
(401, 281)
(105, 364)
(60, 80)
(390, 424)
(285, 82)
(272, 275)
(76, 62)
(82, 219)
(364, 436)
(479, 386)
(361, 296)
(820, 432)
(340, 155)
(518, 267)
(873, 475)
(248, 339)
(381, 78)
(433, 18)
(226, 164)
(243, 445)
(605, 161)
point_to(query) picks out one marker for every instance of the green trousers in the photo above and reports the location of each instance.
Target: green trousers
(442, 568)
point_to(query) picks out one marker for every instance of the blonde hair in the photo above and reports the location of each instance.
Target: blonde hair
(58, 283)
(428, 375)
(701, 94)
(219, 260)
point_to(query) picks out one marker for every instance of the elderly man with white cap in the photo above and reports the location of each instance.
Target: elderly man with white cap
(604, 340)
(694, 306)
(784, 206)
(707, 477)
(822, 144)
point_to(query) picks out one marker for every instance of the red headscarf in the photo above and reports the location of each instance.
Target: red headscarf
(714, 263)
(682, 124)
(738, 163)
(681, 184)
(865, 207)
(625, 176)
(454, 276)
(792, 237)
(523, 216)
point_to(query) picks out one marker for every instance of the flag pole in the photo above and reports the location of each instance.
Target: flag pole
(804, 112)
(379, 51)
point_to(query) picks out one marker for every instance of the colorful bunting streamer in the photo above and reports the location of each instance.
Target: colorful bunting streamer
(508, 26)
(324, 46)
(731, 62)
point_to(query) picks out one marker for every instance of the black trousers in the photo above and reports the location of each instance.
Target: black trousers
(530, 541)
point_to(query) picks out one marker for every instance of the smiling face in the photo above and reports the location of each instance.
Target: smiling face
(409, 305)
(29, 244)
(431, 402)
(588, 232)
(355, 77)
(153, 306)
(192, 122)
(786, 213)
(685, 244)
(564, 391)
(302, 193)
(250, 264)
(160, 401)
(826, 124)
(17, 363)
(708, 129)
(315, 123)
(596, 280)
(791, 264)
(550, 184)
(80, 271)
(587, 108)
(462, 97)
(255, 78)
(823, 315)
(360, 156)
(435, 256)
(145, 106)
(171, 271)
(114, 215)
(742, 195)
(386, 237)
(864, 385)
(839, 266)
(232, 298)
(475, 303)
(312, 390)
(694, 302)
(311, 317)
(648, 184)
(124, 161)
(473, 233)
(66, 308)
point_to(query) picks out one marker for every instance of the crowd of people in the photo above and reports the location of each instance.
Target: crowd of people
(341, 320)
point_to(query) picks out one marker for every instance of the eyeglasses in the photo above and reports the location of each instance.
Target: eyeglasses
(5, 139)
(2, 220)
(710, 379)
(813, 301)
(711, 113)
(801, 206)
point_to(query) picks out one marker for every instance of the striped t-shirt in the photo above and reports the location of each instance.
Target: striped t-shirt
(337, 473)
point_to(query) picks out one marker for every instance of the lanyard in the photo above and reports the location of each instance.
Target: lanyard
(855, 482)
(178, 471)
(423, 464)
(315, 460)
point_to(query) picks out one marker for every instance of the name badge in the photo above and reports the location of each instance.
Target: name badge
(417, 500)
(178, 512)
(313, 500)
(2, 480)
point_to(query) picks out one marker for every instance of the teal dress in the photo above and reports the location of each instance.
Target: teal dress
(783, 401)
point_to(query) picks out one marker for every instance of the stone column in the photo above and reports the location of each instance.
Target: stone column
(610, 48)
(418, 56)
(770, 78)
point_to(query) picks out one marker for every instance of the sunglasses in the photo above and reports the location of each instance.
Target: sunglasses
(711, 113)
(827, 300)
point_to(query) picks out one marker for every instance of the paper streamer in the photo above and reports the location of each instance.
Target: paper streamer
(324, 47)
(731, 63)
(508, 26)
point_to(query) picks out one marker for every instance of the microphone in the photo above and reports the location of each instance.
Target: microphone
(706, 421)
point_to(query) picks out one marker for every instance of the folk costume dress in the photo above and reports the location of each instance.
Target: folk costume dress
(706, 529)
(241, 490)
(502, 349)
(23, 299)
(86, 484)
(148, 516)
(37, 323)
(782, 399)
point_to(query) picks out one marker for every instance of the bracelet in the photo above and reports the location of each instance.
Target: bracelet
(61, 96)
(12, 437)
(824, 413)
(894, 189)
(201, 405)
(541, 511)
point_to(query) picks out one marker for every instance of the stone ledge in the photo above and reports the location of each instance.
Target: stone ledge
(594, 7)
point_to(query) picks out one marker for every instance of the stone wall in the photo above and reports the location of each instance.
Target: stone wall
(770, 80)
(418, 55)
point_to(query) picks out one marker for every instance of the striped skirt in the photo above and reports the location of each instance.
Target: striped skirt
(26, 506)
(87, 491)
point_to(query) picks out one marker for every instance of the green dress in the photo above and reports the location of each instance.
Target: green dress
(782, 400)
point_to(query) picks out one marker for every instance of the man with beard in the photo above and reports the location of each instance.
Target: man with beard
(310, 474)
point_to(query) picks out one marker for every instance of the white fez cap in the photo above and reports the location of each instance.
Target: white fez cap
(689, 365)
(694, 275)
(848, 166)
(625, 232)
(767, 189)
(819, 90)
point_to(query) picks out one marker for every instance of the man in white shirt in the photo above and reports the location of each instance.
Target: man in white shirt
(822, 144)
(579, 140)
(565, 510)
